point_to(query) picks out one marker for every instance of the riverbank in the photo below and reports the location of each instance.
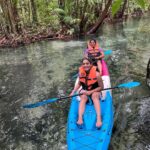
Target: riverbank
(27, 37)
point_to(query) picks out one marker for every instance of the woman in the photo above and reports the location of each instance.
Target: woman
(92, 84)
(95, 53)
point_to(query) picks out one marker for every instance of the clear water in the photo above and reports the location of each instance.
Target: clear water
(44, 70)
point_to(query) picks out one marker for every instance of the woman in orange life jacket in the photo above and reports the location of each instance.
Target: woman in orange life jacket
(95, 53)
(92, 84)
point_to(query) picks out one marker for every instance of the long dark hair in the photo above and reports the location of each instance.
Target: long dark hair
(92, 40)
(88, 59)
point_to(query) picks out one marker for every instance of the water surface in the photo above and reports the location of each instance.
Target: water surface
(44, 70)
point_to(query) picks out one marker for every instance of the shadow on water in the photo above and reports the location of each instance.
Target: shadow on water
(44, 70)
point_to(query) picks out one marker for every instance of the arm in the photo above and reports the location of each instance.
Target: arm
(100, 81)
(85, 53)
(101, 55)
(76, 87)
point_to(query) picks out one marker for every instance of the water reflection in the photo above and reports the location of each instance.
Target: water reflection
(44, 70)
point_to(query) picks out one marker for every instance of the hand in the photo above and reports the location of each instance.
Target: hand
(98, 58)
(89, 93)
(83, 92)
(86, 92)
(72, 93)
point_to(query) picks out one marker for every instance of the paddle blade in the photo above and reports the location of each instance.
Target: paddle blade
(129, 85)
(107, 52)
(40, 103)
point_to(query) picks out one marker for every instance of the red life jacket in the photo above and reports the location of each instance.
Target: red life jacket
(88, 81)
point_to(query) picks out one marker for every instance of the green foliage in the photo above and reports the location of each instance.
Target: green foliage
(76, 15)
(68, 19)
(116, 6)
(15, 2)
(47, 13)
(141, 3)
(59, 11)
(93, 2)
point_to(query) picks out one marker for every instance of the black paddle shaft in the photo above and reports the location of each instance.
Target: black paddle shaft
(69, 96)
(110, 88)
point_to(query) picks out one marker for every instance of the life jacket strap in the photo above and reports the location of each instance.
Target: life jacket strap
(88, 78)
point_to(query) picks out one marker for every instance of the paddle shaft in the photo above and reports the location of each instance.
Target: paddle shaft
(124, 85)
(82, 94)
(110, 88)
(69, 96)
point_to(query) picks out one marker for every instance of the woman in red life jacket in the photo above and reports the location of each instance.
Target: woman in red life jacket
(94, 53)
(92, 84)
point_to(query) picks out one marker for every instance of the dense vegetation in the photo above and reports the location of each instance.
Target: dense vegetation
(25, 21)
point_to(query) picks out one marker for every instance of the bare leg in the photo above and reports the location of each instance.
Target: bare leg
(82, 108)
(96, 101)
(99, 65)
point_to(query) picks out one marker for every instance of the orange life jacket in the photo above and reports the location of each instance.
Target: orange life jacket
(93, 51)
(88, 81)
(89, 46)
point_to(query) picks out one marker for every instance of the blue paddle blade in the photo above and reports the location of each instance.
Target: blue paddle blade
(107, 52)
(40, 103)
(129, 84)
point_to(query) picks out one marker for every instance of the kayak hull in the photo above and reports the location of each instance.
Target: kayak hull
(87, 136)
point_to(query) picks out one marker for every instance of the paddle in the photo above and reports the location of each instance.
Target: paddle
(124, 85)
(37, 104)
(107, 52)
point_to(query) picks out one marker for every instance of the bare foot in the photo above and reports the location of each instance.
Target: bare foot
(80, 122)
(98, 123)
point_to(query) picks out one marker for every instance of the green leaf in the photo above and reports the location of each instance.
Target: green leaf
(59, 11)
(91, 2)
(68, 19)
(141, 3)
(116, 6)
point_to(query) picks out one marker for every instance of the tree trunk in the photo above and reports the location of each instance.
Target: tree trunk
(83, 22)
(123, 8)
(101, 18)
(101, 6)
(2, 23)
(10, 15)
(34, 12)
(61, 4)
(120, 12)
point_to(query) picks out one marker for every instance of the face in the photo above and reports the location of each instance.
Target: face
(86, 65)
(92, 43)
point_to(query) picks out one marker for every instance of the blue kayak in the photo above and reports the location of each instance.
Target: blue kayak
(88, 136)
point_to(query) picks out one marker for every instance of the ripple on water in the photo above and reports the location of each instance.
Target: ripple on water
(42, 70)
